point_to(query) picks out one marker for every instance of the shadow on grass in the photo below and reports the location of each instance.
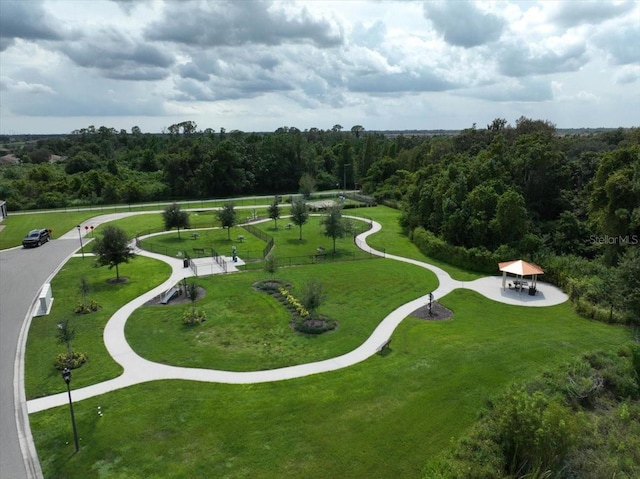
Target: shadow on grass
(296, 241)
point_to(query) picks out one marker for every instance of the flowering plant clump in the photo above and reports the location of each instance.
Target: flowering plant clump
(302, 312)
(194, 317)
(77, 359)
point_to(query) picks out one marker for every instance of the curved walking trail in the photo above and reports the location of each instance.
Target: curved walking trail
(139, 370)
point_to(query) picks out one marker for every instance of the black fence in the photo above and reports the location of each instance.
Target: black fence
(267, 238)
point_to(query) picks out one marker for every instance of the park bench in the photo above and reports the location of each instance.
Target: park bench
(383, 346)
(199, 251)
(240, 238)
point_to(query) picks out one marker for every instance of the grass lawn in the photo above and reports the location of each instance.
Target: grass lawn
(16, 227)
(248, 330)
(41, 377)
(382, 418)
(290, 250)
(394, 241)
(248, 248)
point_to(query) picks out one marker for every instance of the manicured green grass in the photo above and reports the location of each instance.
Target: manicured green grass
(41, 377)
(248, 248)
(289, 249)
(393, 240)
(383, 418)
(17, 226)
(248, 330)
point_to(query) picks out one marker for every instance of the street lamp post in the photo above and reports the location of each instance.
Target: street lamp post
(344, 184)
(66, 375)
(81, 245)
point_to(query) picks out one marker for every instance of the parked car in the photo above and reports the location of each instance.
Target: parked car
(35, 238)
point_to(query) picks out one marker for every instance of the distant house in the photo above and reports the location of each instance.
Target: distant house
(9, 160)
(3, 210)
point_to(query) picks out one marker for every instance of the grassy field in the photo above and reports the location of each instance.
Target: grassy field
(17, 227)
(248, 330)
(393, 240)
(41, 378)
(381, 418)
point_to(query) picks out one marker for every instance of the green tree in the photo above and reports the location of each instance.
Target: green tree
(271, 264)
(174, 217)
(274, 211)
(357, 130)
(299, 213)
(629, 281)
(510, 222)
(64, 335)
(307, 185)
(312, 296)
(84, 290)
(227, 217)
(112, 248)
(333, 224)
(192, 294)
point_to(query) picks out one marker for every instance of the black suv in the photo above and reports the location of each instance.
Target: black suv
(35, 238)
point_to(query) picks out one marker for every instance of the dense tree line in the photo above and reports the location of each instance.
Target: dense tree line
(568, 202)
(103, 166)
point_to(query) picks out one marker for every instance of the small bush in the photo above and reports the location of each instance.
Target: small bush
(193, 317)
(77, 360)
(82, 308)
(475, 259)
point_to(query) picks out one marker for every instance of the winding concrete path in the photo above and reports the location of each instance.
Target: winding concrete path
(139, 370)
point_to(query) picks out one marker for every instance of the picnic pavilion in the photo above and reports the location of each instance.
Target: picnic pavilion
(520, 269)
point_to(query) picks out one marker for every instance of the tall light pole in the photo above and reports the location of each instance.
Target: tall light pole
(344, 184)
(81, 245)
(66, 375)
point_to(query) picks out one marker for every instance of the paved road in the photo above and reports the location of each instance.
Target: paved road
(22, 274)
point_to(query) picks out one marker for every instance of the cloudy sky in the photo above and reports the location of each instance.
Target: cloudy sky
(260, 65)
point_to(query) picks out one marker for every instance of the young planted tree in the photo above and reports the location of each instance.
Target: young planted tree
(312, 297)
(274, 211)
(84, 287)
(307, 185)
(299, 213)
(333, 223)
(112, 248)
(271, 264)
(192, 294)
(193, 317)
(174, 217)
(85, 306)
(227, 217)
(65, 334)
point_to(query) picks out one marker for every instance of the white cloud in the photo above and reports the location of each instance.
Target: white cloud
(259, 65)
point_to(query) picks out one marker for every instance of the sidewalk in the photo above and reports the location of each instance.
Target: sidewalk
(138, 370)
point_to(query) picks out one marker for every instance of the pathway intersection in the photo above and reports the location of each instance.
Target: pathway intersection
(139, 370)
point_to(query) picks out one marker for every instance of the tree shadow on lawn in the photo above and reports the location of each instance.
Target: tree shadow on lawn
(296, 241)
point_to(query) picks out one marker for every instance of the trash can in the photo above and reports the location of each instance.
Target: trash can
(185, 262)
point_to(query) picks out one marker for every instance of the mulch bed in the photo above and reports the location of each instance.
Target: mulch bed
(438, 312)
